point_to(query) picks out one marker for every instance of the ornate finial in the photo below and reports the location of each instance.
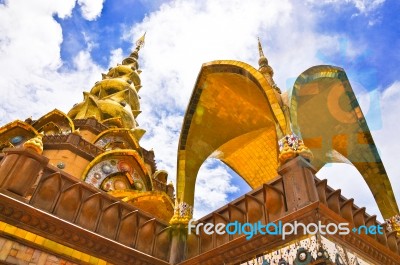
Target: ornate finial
(183, 212)
(140, 42)
(139, 45)
(263, 62)
(265, 69)
(394, 224)
(35, 144)
(260, 50)
(291, 145)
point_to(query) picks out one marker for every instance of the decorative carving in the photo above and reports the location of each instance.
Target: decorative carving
(291, 146)
(183, 212)
(35, 144)
(393, 224)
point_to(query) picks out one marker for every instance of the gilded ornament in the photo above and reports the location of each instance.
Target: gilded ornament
(35, 144)
(393, 224)
(183, 212)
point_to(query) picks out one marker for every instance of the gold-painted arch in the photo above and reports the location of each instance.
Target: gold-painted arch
(232, 115)
(338, 131)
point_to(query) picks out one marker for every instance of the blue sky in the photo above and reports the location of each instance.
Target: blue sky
(52, 52)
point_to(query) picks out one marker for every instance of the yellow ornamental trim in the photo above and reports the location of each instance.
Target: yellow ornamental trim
(35, 144)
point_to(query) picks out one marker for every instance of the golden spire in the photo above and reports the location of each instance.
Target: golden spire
(140, 42)
(263, 61)
(139, 45)
(116, 95)
(265, 69)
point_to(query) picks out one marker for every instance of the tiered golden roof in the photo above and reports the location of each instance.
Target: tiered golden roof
(98, 141)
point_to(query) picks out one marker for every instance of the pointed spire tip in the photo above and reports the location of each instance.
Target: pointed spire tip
(140, 42)
(260, 50)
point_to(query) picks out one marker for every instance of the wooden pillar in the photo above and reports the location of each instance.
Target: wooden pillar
(178, 243)
(299, 185)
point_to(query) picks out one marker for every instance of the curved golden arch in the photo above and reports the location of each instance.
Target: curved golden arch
(113, 153)
(48, 117)
(265, 135)
(311, 74)
(248, 77)
(342, 132)
(125, 133)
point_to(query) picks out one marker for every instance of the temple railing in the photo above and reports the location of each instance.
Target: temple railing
(90, 124)
(83, 216)
(72, 142)
(295, 195)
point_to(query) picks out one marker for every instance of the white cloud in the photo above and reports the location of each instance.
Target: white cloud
(366, 6)
(363, 6)
(91, 9)
(116, 57)
(386, 138)
(30, 80)
(214, 181)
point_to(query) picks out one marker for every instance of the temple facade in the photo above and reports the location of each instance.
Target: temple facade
(77, 187)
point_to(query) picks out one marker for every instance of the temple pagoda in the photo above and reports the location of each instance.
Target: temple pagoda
(77, 187)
